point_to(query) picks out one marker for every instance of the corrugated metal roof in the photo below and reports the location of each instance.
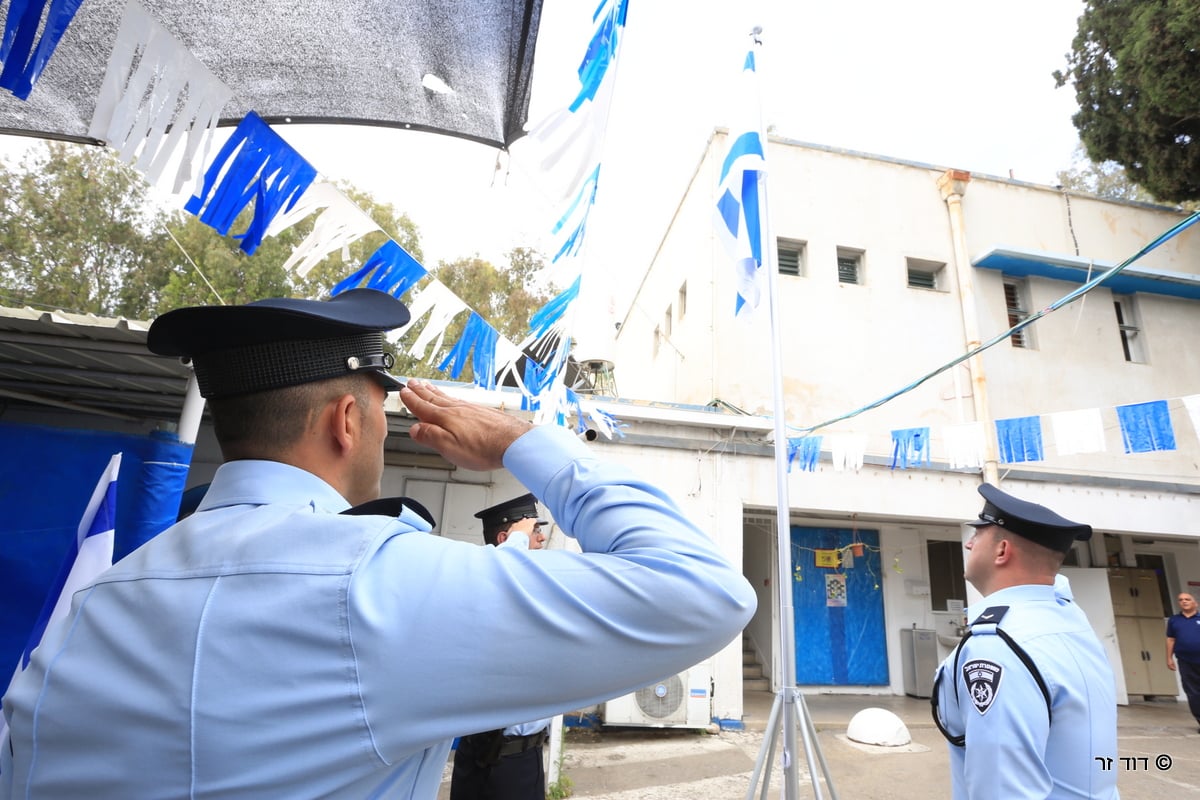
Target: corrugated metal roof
(81, 361)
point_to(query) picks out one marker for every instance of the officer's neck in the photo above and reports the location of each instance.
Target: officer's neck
(999, 582)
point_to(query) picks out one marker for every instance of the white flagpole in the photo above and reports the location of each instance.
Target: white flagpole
(787, 637)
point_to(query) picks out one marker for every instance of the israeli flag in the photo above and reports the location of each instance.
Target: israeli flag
(89, 555)
(739, 219)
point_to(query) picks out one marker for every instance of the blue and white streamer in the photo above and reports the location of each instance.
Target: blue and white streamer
(805, 451)
(255, 164)
(910, 446)
(1146, 427)
(389, 269)
(1020, 439)
(480, 337)
(145, 111)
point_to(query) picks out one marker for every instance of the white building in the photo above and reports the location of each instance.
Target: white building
(887, 271)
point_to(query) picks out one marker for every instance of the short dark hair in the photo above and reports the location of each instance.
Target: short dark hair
(263, 423)
(490, 535)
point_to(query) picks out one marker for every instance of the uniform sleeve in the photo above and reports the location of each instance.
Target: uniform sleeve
(1005, 721)
(437, 625)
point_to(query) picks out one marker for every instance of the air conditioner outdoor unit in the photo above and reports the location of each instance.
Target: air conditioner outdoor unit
(679, 701)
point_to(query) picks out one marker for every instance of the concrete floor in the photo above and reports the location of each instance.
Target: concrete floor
(681, 764)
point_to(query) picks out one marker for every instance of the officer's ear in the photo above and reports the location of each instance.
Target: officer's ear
(502, 537)
(1004, 551)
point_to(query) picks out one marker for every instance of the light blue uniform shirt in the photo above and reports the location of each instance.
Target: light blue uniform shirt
(1013, 750)
(268, 647)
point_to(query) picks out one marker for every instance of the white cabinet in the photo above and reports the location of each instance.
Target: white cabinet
(1141, 631)
(1143, 646)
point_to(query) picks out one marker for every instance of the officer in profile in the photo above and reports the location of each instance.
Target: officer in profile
(513, 521)
(505, 763)
(269, 645)
(1027, 699)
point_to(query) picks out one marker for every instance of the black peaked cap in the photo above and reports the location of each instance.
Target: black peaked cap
(1030, 520)
(509, 511)
(279, 342)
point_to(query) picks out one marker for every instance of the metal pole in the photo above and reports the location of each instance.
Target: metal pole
(783, 507)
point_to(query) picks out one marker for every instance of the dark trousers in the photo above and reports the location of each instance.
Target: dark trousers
(1189, 676)
(519, 776)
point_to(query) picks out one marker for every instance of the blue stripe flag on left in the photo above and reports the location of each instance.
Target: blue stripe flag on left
(90, 554)
(739, 212)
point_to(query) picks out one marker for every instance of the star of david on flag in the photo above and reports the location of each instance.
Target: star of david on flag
(739, 219)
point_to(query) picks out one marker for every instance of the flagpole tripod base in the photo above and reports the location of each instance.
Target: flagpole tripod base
(790, 717)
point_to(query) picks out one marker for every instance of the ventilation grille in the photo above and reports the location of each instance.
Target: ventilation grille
(663, 699)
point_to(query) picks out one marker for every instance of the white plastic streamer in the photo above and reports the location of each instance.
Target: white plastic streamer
(1192, 404)
(1078, 431)
(847, 450)
(965, 445)
(442, 306)
(339, 224)
(154, 94)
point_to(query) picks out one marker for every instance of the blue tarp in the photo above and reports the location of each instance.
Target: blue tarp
(47, 476)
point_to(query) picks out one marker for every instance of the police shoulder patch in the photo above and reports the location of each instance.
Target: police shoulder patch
(983, 682)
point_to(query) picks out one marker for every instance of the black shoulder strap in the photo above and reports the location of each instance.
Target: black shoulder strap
(961, 739)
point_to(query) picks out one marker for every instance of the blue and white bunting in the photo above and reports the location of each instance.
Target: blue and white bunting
(738, 215)
(1146, 427)
(1020, 439)
(254, 165)
(155, 93)
(389, 269)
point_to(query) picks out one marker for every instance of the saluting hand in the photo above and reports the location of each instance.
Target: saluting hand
(466, 434)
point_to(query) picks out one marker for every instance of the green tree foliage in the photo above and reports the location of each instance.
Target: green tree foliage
(80, 231)
(77, 233)
(1108, 180)
(1135, 67)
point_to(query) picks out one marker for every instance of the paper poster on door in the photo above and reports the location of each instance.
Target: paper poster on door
(835, 590)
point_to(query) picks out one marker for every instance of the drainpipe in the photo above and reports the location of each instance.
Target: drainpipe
(953, 184)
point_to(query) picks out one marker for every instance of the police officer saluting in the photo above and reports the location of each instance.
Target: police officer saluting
(271, 646)
(1027, 699)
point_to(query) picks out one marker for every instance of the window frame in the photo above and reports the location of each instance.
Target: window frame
(1017, 289)
(936, 270)
(1129, 327)
(858, 257)
(797, 246)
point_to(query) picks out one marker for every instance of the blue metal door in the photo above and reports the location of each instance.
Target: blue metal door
(837, 599)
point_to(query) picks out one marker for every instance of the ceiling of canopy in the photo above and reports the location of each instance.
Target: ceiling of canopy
(446, 66)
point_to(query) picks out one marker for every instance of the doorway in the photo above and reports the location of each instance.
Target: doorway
(837, 600)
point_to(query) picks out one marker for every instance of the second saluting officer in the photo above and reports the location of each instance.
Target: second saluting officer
(1027, 699)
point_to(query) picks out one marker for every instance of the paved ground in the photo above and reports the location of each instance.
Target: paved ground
(676, 764)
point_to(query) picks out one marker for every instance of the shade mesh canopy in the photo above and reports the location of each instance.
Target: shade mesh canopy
(328, 61)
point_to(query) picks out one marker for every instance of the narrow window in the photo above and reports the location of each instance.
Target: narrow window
(657, 341)
(789, 255)
(667, 319)
(849, 265)
(681, 303)
(1017, 307)
(1132, 343)
(925, 274)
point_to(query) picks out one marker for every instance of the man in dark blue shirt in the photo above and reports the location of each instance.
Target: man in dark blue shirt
(1183, 647)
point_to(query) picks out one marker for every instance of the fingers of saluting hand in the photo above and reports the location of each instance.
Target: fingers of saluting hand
(467, 435)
